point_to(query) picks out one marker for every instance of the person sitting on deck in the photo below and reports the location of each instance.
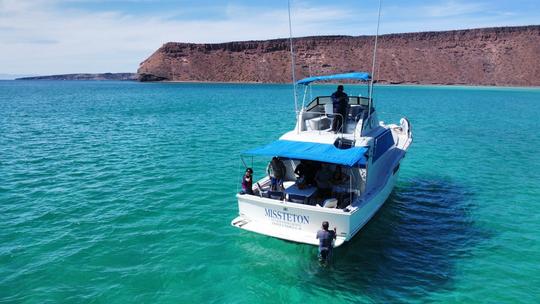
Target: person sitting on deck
(306, 174)
(276, 170)
(323, 179)
(340, 182)
(247, 182)
(340, 101)
(326, 238)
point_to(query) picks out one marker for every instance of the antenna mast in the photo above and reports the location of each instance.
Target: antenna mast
(370, 95)
(292, 58)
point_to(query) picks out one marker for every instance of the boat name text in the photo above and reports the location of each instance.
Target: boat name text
(285, 216)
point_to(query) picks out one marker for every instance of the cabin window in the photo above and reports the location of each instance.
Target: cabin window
(382, 144)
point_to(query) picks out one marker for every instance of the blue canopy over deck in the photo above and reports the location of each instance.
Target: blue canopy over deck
(313, 151)
(361, 76)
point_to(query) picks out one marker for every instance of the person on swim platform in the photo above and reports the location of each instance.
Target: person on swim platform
(326, 242)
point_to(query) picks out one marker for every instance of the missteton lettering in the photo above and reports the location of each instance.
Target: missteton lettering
(285, 216)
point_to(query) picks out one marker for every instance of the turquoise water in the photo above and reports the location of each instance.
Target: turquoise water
(123, 192)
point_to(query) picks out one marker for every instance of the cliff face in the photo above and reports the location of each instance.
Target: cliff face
(507, 56)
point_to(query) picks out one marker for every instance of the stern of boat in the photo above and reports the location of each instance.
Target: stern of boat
(289, 221)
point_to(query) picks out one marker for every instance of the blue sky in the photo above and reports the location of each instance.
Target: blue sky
(70, 36)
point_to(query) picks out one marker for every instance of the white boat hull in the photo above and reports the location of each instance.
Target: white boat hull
(300, 223)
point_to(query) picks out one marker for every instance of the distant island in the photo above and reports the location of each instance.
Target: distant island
(85, 76)
(502, 56)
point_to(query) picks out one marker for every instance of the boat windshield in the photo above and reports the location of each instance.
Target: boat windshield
(322, 100)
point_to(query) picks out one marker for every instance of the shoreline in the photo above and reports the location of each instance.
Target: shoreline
(276, 83)
(331, 83)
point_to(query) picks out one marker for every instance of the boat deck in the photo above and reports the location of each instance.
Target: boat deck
(310, 195)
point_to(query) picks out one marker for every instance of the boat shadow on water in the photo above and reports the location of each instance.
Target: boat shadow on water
(411, 247)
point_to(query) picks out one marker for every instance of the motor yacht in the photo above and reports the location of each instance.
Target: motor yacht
(348, 170)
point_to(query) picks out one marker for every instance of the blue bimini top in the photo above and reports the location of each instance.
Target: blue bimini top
(361, 76)
(313, 151)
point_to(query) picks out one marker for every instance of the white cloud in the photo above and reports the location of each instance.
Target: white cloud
(453, 8)
(37, 37)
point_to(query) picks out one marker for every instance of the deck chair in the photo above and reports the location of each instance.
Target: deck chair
(297, 198)
(330, 203)
(275, 195)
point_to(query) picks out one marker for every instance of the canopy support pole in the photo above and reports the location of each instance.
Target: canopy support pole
(292, 59)
(370, 95)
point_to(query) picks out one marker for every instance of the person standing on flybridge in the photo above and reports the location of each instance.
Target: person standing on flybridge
(340, 102)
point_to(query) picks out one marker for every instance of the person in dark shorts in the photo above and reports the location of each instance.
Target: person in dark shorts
(326, 238)
(247, 182)
(340, 102)
(276, 170)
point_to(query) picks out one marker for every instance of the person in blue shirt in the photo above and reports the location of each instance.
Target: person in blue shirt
(340, 102)
(326, 239)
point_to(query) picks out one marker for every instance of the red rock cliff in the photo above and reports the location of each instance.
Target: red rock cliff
(507, 56)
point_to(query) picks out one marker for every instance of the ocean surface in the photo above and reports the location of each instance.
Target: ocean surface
(123, 192)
